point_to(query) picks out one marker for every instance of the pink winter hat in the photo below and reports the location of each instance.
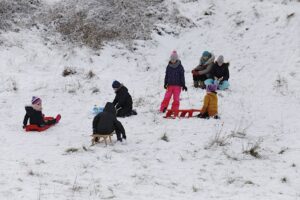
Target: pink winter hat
(174, 56)
(35, 100)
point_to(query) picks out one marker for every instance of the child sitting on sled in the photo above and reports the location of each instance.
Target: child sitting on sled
(210, 104)
(106, 122)
(35, 115)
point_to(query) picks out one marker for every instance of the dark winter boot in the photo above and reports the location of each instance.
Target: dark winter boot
(196, 84)
(216, 117)
(201, 85)
(164, 110)
(133, 112)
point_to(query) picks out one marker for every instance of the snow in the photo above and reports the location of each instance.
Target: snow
(261, 107)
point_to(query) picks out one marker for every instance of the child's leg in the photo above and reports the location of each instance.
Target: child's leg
(164, 104)
(223, 85)
(50, 122)
(176, 95)
(118, 133)
(208, 81)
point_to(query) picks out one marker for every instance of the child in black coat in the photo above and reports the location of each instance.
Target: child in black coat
(106, 122)
(219, 74)
(123, 100)
(35, 116)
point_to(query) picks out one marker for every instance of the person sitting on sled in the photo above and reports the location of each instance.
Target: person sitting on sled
(106, 123)
(219, 74)
(123, 100)
(174, 82)
(201, 72)
(35, 115)
(210, 104)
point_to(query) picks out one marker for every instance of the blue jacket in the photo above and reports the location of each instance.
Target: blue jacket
(175, 74)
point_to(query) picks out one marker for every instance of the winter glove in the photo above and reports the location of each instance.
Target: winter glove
(24, 126)
(184, 88)
(166, 86)
(194, 72)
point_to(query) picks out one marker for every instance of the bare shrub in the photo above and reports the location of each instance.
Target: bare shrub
(195, 189)
(240, 129)
(283, 180)
(71, 150)
(165, 138)
(90, 75)
(281, 85)
(283, 150)
(68, 71)
(139, 102)
(290, 15)
(249, 183)
(12, 85)
(31, 173)
(219, 139)
(252, 149)
(95, 90)
(293, 165)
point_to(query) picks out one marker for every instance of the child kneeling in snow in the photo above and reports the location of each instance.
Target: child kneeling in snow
(210, 104)
(35, 115)
(123, 100)
(106, 122)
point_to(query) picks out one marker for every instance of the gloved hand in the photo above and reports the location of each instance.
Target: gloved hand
(24, 126)
(184, 88)
(166, 86)
(194, 72)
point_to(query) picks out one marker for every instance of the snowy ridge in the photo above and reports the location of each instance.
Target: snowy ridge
(203, 159)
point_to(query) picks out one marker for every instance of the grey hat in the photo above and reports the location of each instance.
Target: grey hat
(220, 60)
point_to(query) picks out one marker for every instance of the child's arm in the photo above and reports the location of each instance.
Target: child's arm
(95, 122)
(166, 79)
(26, 117)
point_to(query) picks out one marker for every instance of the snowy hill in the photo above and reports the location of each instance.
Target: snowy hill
(202, 159)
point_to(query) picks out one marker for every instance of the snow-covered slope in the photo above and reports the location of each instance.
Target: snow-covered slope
(203, 159)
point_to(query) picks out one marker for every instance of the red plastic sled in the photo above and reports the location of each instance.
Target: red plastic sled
(180, 113)
(33, 127)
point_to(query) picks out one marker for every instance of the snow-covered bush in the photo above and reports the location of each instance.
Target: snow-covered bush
(17, 13)
(93, 22)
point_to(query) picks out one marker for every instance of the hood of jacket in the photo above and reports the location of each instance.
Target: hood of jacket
(121, 90)
(29, 110)
(110, 108)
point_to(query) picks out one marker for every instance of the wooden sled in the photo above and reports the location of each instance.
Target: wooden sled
(101, 136)
(172, 114)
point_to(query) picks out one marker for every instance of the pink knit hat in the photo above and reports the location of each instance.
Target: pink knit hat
(174, 56)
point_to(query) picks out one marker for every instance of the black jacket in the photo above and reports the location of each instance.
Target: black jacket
(106, 121)
(34, 116)
(219, 71)
(123, 99)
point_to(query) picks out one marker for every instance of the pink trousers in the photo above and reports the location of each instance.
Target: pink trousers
(172, 90)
